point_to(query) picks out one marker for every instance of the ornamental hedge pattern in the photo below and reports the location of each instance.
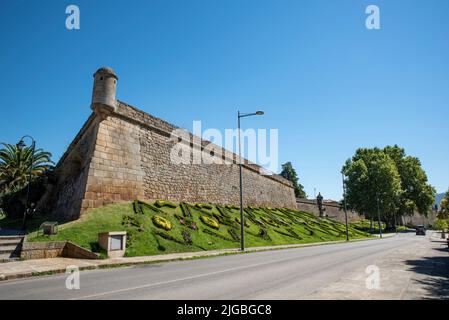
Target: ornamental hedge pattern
(193, 225)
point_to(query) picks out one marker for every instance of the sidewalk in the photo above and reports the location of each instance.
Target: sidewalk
(29, 268)
(404, 275)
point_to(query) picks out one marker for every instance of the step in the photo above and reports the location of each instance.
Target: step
(11, 237)
(7, 249)
(10, 242)
(7, 258)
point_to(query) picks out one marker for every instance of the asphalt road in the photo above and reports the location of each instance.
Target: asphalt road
(280, 274)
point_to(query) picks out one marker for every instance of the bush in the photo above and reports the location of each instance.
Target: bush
(246, 222)
(185, 209)
(441, 224)
(210, 222)
(142, 207)
(263, 233)
(161, 223)
(13, 204)
(203, 206)
(187, 237)
(164, 203)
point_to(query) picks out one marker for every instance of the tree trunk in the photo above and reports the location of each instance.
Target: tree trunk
(389, 223)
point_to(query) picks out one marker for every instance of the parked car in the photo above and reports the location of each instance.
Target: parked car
(420, 230)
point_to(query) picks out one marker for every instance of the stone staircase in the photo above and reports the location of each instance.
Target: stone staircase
(10, 247)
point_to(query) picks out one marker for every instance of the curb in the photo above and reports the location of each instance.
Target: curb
(194, 255)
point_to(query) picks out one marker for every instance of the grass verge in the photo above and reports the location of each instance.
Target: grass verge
(171, 228)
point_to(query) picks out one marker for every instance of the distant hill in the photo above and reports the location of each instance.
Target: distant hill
(438, 198)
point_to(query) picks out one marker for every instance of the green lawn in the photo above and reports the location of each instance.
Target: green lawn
(364, 225)
(196, 228)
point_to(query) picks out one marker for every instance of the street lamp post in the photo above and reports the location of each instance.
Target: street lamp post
(346, 209)
(378, 216)
(242, 221)
(20, 145)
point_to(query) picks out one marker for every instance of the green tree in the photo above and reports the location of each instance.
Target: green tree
(15, 165)
(289, 173)
(441, 224)
(443, 212)
(417, 194)
(372, 181)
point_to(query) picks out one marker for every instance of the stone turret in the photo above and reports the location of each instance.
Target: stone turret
(103, 95)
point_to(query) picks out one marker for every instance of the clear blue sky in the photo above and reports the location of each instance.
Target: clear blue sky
(326, 82)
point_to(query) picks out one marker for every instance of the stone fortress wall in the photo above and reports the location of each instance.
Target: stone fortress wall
(335, 212)
(332, 210)
(122, 153)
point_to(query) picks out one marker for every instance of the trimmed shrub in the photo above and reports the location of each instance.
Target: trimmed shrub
(187, 238)
(223, 212)
(269, 221)
(203, 206)
(233, 234)
(263, 233)
(138, 207)
(246, 222)
(162, 223)
(133, 221)
(217, 235)
(291, 234)
(168, 237)
(210, 222)
(164, 203)
(187, 222)
(185, 209)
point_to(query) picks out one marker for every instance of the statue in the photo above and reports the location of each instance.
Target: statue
(319, 201)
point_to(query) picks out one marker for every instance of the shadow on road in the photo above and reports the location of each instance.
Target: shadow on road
(437, 271)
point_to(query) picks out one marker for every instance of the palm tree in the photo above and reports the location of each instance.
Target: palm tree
(15, 164)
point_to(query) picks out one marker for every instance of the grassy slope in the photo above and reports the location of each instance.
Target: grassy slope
(283, 227)
(365, 225)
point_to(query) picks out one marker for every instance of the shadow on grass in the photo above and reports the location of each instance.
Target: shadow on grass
(437, 271)
(14, 226)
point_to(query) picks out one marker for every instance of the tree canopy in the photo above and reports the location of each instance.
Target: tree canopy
(417, 194)
(389, 179)
(289, 173)
(15, 162)
(444, 207)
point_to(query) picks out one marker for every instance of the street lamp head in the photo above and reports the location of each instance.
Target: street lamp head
(20, 144)
(259, 113)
